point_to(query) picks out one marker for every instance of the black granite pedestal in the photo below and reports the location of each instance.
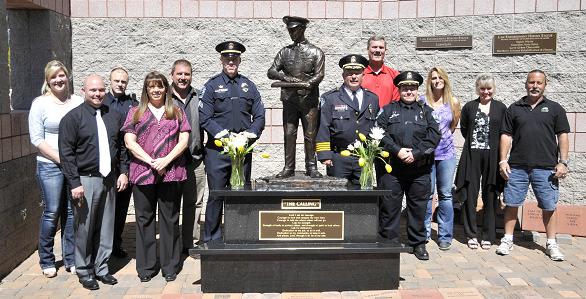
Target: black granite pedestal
(299, 241)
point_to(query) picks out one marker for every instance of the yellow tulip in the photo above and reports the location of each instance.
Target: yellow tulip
(388, 168)
(361, 136)
(218, 143)
(361, 162)
(240, 149)
(384, 154)
(345, 153)
(265, 155)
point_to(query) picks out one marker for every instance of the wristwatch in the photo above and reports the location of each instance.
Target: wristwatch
(565, 162)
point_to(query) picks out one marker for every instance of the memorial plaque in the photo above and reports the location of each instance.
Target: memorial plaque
(530, 43)
(443, 42)
(300, 204)
(301, 225)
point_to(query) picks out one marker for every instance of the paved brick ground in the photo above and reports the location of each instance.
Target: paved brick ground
(457, 273)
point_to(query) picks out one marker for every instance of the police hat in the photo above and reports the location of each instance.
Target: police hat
(293, 22)
(408, 78)
(353, 62)
(230, 48)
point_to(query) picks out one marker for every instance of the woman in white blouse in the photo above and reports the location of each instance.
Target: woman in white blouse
(44, 117)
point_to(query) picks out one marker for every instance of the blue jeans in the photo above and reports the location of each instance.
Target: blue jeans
(57, 207)
(442, 172)
(545, 187)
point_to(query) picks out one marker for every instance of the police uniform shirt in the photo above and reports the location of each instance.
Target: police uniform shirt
(231, 104)
(121, 104)
(409, 126)
(341, 120)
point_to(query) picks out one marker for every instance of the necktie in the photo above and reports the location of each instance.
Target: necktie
(355, 100)
(103, 145)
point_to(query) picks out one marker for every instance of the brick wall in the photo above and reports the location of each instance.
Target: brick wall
(37, 36)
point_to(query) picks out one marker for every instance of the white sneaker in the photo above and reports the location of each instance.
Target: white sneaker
(505, 247)
(554, 253)
(50, 272)
(72, 270)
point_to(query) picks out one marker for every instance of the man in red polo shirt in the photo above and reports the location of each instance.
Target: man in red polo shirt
(378, 77)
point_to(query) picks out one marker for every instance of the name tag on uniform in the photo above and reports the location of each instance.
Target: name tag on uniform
(341, 107)
(221, 89)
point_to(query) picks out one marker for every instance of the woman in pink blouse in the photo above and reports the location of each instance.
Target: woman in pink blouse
(157, 132)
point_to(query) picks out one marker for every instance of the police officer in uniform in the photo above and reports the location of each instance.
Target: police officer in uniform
(345, 112)
(230, 103)
(411, 135)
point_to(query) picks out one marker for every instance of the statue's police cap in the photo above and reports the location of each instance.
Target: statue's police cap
(292, 21)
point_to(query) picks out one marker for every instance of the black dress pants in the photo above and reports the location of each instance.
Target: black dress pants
(417, 189)
(218, 170)
(479, 172)
(122, 203)
(146, 198)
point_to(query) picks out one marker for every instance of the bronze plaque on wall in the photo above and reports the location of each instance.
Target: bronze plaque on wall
(530, 43)
(301, 225)
(443, 42)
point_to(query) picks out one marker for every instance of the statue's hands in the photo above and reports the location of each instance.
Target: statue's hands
(291, 79)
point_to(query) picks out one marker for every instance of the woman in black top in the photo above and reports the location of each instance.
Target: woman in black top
(480, 125)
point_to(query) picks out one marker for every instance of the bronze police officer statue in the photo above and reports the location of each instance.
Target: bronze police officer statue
(300, 68)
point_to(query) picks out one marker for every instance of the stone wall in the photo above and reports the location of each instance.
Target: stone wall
(36, 37)
(145, 44)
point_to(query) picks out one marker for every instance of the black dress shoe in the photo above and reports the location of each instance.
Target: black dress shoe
(420, 252)
(90, 284)
(107, 279)
(285, 173)
(144, 278)
(119, 252)
(170, 277)
(313, 173)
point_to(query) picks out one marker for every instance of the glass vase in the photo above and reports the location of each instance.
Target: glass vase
(367, 175)
(237, 174)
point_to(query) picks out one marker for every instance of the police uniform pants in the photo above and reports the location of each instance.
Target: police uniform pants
(345, 167)
(94, 226)
(218, 168)
(146, 199)
(416, 189)
(122, 203)
(192, 197)
(293, 111)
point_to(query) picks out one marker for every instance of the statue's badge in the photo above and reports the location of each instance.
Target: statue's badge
(353, 59)
(544, 109)
(244, 87)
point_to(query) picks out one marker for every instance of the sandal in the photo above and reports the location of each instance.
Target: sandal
(485, 245)
(473, 243)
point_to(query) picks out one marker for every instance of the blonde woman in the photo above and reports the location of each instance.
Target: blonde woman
(446, 111)
(480, 127)
(46, 113)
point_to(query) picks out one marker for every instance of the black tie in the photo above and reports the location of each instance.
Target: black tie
(355, 100)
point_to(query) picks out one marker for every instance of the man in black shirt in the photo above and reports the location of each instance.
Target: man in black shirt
(529, 131)
(118, 100)
(92, 153)
(187, 98)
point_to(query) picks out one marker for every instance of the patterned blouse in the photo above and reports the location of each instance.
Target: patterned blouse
(446, 148)
(481, 131)
(156, 138)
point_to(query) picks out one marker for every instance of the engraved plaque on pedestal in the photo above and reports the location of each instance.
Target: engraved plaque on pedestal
(301, 225)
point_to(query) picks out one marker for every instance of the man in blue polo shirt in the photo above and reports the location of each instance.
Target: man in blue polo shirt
(537, 157)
